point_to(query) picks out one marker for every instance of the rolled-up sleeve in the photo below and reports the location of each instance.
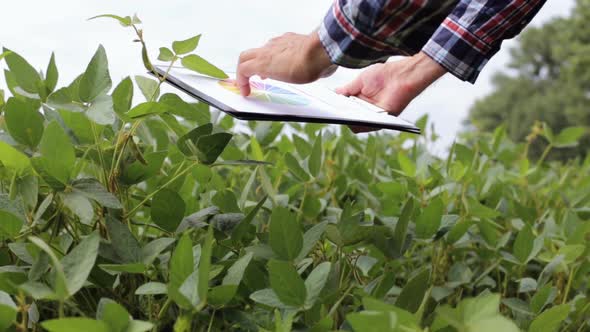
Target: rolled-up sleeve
(473, 32)
(347, 34)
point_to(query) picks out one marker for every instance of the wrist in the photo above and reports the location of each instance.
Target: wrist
(424, 70)
(316, 57)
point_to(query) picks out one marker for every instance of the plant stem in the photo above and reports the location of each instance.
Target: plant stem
(211, 321)
(544, 155)
(100, 152)
(24, 310)
(568, 286)
(61, 309)
(164, 308)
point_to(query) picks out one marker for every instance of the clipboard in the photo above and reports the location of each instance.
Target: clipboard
(273, 100)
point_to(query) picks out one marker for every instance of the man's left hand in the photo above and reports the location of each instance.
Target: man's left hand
(291, 58)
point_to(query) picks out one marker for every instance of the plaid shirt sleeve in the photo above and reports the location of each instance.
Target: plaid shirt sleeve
(461, 35)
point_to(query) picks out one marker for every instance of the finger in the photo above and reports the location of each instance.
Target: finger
(245, 71)
(351, 89)
(243, 74)
(248, 55)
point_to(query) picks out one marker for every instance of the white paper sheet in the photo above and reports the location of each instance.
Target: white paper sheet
(276, 100)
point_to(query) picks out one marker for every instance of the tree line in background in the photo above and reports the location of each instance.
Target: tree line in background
(549, 81)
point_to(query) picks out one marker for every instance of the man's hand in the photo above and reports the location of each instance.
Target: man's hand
(292, 58)
(393, 85)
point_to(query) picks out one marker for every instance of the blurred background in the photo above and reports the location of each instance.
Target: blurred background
(543, 75)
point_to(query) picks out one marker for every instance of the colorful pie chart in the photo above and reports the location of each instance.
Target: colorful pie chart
(268, 93)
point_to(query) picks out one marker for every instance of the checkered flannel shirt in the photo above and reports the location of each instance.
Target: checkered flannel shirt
(460, 35)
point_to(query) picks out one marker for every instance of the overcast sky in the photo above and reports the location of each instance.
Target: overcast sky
(35, 28)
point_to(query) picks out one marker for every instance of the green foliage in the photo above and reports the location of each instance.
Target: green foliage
(549, 82)
(159, 216)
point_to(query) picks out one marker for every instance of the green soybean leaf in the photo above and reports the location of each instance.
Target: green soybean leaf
(123, 97)
(569, 137)
(12, 216)
(51, 75)
(138, 171)
(167, 209)
(269, 298)
(146, 109)
(94, 190)
(236, 272)
(151, 288)
(315, 159)
(101, 110)
(315, 282)
(373, 321)
(165, 54)
(24, 74)
(220, 295)
(41, 166)
(123, 241)
(240, 230)
(413, 292)
(285, 236)
(59, 282)
(8, 311)
(131, 268)
(4, 54)
(23, 121)
(406, 165)
(13, 159)
(57, 152)
(66, 99)
(186, 46)
(406, 320)
(151, 250)
(96, 80)
(198, 112)
(181, 267)
(78, 263)
(114, 314)
(209, 147)
(310, 238)
(428, 222)
(79, 206)
(150, 88)
(401, 228)
(479, 210)
(80, 125)
(295, 167)
(139, 326)
(187, 144)
(75, 324)
(551, 319)
(256, 149)
(542, 298)
(226, 201)
(523, 245)
(286, 283)
(202, 66)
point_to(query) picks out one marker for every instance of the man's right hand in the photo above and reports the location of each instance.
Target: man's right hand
(291, 58)
(393, 85)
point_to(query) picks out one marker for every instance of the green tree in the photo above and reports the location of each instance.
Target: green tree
(549, 81)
